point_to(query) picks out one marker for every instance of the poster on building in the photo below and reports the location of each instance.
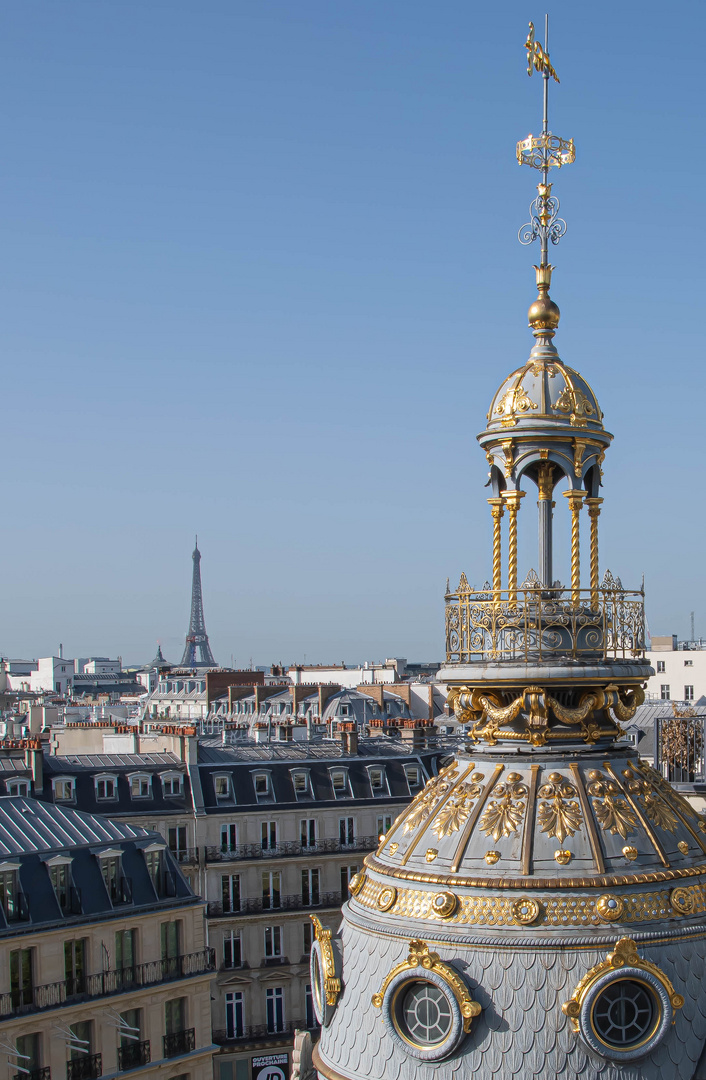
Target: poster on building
(271, 1067)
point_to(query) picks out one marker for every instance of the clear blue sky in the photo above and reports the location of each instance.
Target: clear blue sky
(259, 278)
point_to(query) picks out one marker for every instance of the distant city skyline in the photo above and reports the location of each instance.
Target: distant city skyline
(260, 279)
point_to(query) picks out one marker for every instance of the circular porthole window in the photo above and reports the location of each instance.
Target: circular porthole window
(324, 970)
(625, 1014)
(423, 1015)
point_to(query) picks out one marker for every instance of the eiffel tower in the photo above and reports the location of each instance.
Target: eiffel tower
(197, 638)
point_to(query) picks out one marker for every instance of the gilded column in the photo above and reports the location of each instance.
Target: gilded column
(512, 498)
(594, 509)
(575, 503)
(497, 508)
(545, 485)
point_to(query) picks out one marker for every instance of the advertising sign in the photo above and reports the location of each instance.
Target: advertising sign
(271, 1067)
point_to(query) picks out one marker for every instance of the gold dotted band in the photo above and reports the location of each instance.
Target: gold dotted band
(553, 910)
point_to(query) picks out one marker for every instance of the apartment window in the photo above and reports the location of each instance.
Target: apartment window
(75, 966)
(230, 892)
(140, 787)
(307, 937)
(344, 710)
(222, 786)
(125, 951)
(229, 837)
(688, 663)
(661, 666)
(412, 772)
(112, 877)
(82, 1065)
(268, 833)
(235, 1026)
(311, 893)
(171, 784)
(275, 1009)
(262, 784)
(307, 832)
(18, 787)
(132, 1052)
(9, 894)
(170, 940)
(346, 830)
(271, 889)
(175, 1016)
(688, 693)
(384, 824)
(664, 692)
(273, 942)
(153, 860)
(29, 1055)
(106, 787)
(310, 1020)
(232, 949)
(347, 873)
(21, 977)
(176, 838)
(60, 877)
(65, 790)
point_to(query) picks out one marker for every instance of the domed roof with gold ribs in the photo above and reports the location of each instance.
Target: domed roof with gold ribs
(545, 393)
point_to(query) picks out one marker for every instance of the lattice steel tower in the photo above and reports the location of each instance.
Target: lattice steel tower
(197, 638)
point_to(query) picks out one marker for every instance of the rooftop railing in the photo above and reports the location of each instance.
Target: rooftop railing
(120, 981)
(530, 624)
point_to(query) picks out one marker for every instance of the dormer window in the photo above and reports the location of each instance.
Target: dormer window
(413, 775)
(221, 784)
(339, 783)
(262, 784)
(153, 861)
(171, 784)
(18, 787)
(60, 877)
(106, 787)
(301, 783)
(64, 789)
(344, 710)
(112, 870)
(140, 786)
(378, 780)
(9, 891)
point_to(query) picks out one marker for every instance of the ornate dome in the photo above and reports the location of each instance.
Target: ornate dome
(543, 393)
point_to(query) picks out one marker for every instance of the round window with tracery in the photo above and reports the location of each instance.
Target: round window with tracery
(624, 1014)
(426, 1014)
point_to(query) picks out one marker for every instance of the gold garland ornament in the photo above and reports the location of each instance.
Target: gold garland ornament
(624, 955)
(332, 984)
(421, 957)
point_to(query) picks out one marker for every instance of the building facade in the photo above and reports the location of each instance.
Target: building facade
(104, 966)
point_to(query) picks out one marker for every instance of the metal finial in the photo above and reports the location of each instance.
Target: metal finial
(543, 152)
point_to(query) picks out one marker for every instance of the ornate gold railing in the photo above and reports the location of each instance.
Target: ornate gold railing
(544, 624)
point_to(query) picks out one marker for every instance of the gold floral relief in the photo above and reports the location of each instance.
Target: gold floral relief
(455, 812)
(559, 814)
(613, 812)
(503, 814)
(656, 809)
(435, 789)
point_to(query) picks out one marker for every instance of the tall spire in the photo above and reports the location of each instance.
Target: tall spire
(543, 152)
(197, 638)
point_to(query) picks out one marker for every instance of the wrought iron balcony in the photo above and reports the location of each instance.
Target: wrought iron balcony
(186, 855)
(34, 1074)
(295, 902)
(105, 983)
(535, 624)
(259, 1031)
(134, 1054)
(179, 1042)
(330, 846)
(85, 1067)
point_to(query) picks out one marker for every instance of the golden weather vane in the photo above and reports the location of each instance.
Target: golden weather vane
(543, 152)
